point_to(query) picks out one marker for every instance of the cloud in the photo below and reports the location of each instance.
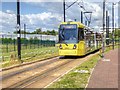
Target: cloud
(41, 20)
(7, 21)
(95, 8)
(52, 15)
(45, 19)
(37, 1)
(54, 7)
(74, 11)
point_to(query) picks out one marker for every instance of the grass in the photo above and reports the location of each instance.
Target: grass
(23, 48)
(28, 55)
(76, 79)
(31, 52)
(109, 48)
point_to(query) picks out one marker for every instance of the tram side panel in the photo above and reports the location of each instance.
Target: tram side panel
(81, 48)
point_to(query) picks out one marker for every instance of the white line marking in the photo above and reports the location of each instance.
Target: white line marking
(105, 59)
(90, 76)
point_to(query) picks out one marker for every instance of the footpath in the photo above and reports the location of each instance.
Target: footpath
(105, 73)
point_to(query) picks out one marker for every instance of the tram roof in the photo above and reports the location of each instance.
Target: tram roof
(79, 25)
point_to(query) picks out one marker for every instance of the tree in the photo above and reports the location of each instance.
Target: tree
(53, 32)
(37, 31)
(117, 33)
(22, 32)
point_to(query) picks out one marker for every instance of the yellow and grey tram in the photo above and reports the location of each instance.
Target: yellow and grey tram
(75, 39)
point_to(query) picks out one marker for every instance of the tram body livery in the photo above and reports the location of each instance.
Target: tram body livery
(76, 40)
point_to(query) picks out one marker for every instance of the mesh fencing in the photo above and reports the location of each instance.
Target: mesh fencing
(32, 46)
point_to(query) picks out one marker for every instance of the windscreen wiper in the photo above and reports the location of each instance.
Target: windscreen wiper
(65, 43)
(63, 37)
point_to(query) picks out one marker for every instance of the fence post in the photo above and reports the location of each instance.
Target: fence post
(7, 47)
(41, 40)
(30, 44)
(14, 45)
(3, 59)
(34, 43)
(38, 43)
(26, 44)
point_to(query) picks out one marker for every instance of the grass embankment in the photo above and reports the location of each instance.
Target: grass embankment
(29, 55)
(78, 77)
(111, 47)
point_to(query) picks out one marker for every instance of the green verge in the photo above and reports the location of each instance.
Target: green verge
(30, 56)
(75, 78)
(111, 47)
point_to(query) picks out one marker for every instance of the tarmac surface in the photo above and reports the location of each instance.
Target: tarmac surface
(105, 73)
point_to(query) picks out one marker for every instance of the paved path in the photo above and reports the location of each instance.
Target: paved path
(105, 74)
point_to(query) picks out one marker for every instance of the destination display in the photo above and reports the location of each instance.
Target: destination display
(73, 26)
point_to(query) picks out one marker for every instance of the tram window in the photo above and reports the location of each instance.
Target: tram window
(80, 34)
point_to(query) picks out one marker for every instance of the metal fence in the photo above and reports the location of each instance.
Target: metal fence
(32, 41)
(32, 46)
(29, 36)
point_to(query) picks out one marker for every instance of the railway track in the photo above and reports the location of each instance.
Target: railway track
(43, 71)
(5, 76)
(42, 68)
(30, 80)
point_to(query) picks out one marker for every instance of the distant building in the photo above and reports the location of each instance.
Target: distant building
(28, 36)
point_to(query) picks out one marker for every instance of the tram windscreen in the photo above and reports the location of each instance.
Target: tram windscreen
(68, 33)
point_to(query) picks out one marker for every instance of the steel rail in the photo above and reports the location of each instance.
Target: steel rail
(27, 81)
(8, 75)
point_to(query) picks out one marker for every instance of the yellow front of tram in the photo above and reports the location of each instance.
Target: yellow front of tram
(71, 39)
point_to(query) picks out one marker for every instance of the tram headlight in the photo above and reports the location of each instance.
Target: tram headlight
(60, 46)
(75, 46)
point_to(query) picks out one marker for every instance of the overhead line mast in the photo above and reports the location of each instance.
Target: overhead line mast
(18, 31)
(103, 36)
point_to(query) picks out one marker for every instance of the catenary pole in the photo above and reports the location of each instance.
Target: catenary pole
(112, 25)
(103, 38)
(18, 31)
(24, 31)
(64, 9)
(81, 17)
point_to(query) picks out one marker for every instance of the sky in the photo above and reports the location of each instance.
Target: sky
(48, 15)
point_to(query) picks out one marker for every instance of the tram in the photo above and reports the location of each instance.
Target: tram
(75, 39)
